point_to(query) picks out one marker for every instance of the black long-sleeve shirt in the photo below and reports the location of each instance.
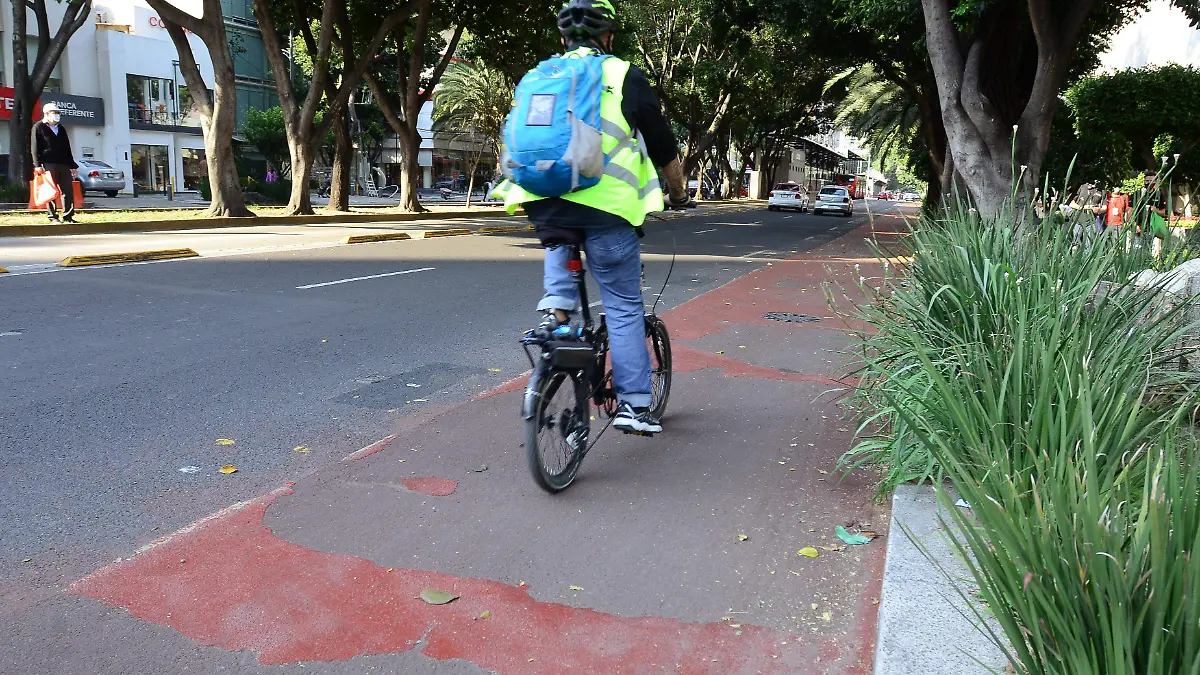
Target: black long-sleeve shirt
(641, 108)
(48, 147)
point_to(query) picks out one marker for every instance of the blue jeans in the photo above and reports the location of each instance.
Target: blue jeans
(616, 263)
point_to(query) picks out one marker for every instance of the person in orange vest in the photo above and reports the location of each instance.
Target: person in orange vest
(1118, 204)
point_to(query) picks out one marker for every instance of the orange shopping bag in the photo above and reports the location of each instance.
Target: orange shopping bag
(42, 190)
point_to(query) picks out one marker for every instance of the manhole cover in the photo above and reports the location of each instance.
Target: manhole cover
(791, 317)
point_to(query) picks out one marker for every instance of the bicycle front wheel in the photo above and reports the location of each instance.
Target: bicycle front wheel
(658, 343)
(556, 435)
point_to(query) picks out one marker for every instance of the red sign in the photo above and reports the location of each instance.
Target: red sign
(156, 22)
(8, 104)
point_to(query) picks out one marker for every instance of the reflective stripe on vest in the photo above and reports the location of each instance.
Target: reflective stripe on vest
(629, 187)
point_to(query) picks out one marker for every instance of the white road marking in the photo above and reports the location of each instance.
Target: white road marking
(706, 231)
(373, 276)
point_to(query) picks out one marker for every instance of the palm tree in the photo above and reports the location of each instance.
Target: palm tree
(473, 101)
(878, 111)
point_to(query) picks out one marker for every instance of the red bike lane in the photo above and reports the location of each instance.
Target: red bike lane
(673, 554)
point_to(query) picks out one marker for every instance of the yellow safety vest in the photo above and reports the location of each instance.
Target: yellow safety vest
(629, 187)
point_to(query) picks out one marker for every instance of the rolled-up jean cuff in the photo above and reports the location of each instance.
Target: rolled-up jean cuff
(557, 302)
(636, 400)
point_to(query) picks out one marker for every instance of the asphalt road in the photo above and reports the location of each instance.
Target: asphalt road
(119, 381)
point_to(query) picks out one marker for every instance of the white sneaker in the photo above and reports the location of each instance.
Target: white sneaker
(636, 420)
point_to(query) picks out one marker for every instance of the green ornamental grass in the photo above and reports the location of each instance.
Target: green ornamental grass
(1023, 366)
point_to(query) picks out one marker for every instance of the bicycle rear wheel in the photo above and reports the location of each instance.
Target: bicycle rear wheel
(556, 435)
(658, 342)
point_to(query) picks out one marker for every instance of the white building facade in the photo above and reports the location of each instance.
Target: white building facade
(125, 102)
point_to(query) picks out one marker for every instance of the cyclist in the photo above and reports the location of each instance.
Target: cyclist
(607, 217)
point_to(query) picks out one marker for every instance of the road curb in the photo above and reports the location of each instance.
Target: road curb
(923, 621)
(457, 232)
(374, 238)
(117, 258)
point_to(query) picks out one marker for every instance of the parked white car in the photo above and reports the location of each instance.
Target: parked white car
(788, 196)
(834, 198)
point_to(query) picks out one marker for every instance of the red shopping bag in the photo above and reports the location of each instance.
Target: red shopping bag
(42, 190)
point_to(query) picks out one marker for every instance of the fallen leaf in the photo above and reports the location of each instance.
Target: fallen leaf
(224, 441)
(436, 597)
(480, 469)
(324, 340)
(485, 614)
(521, 584)
(827, 616)
(721, 351)
(189, 469)
(783, 462)
(792, 469)
(301, 449)
(742, 537)
(575, 588)
(493, 370)
(808, 552)
(814, 606)
(823, 472)
(228, 469)
(962, 504)
(741, 346)
(852, 539)
(27, 560)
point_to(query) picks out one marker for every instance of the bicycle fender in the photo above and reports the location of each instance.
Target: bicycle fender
(529, 403)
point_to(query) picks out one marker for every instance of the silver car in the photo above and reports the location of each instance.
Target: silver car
(96, 176)
(834, 198)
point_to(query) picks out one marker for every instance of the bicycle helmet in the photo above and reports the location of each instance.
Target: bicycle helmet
(583, 20)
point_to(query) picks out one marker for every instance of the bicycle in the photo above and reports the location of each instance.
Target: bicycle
(557, 433)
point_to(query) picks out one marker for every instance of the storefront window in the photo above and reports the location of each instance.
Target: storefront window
(194, 168)
(151, 167)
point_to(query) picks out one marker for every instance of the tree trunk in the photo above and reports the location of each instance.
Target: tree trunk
(410, 171)
(218, 115)
(227, 197)
(20, 130)
(29, 82)
(994, 154)
(343, 157)
(471, 185)
(301, 155)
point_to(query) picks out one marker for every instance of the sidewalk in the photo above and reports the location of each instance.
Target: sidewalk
(676, 554)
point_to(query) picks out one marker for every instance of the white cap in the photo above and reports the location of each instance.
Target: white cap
(49, 108)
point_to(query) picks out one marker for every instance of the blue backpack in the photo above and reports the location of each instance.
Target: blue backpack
(553, 142)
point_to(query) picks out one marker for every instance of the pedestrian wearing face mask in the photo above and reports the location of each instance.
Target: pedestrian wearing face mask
(51, 150)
